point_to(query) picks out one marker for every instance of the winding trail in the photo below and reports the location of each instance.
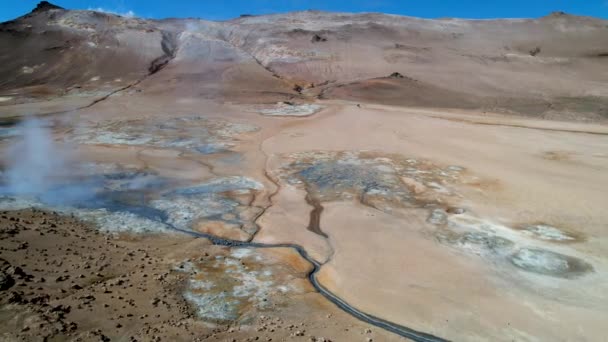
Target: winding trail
(516, 125)
(313, 226)
(312, 276)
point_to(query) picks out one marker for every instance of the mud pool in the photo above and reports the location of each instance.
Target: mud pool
(290, 109)
(120, 199)
(224, 286)
(392, 183)
(199, 134)
(380, 181)
(130, 200)
(531, 250)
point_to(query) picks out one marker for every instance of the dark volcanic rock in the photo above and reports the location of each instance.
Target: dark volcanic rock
(6, 281)
(317, 39)
(16, 298)
(17, 271)
(45, 6)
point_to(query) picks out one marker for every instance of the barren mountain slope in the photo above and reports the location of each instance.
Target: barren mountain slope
(56, 52)
(554, 66)
(530, 66)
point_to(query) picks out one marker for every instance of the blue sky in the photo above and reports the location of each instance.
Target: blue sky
(226, 9)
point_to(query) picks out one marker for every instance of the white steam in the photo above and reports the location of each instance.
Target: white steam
(38, 166)
(34, 161)
(126, 14)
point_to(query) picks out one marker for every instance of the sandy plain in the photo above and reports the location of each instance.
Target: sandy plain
(456, 277)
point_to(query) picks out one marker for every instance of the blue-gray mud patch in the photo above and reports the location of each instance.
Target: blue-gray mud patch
(392, 182)
(195, 133)
(129, 200)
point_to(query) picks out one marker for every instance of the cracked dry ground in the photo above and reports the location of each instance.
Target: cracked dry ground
(461, 237)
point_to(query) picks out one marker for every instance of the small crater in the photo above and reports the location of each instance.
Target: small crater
(456, 211)
(558, 155)
(291, 109)
(219, 207)
(211, 148)
(224, 287)
(205, 136)
(316, 38)
(546, 232)
(550, 263)
(535, 51)
(479, 243)
(490, 242)
(438, 217)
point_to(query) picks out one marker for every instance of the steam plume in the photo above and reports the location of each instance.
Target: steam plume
(39, 167)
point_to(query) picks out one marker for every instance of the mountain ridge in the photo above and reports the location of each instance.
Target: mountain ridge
(304, 55)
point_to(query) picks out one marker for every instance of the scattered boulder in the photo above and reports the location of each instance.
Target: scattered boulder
(17, 272)
(6, 281)
(62, 309)
(16, 298)
(557, 14)
(396, 75)
(316, 38)
(62, 278)
(456, 211)
(535, 51)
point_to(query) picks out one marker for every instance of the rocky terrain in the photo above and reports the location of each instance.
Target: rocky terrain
(64, 280)
(304, 176)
